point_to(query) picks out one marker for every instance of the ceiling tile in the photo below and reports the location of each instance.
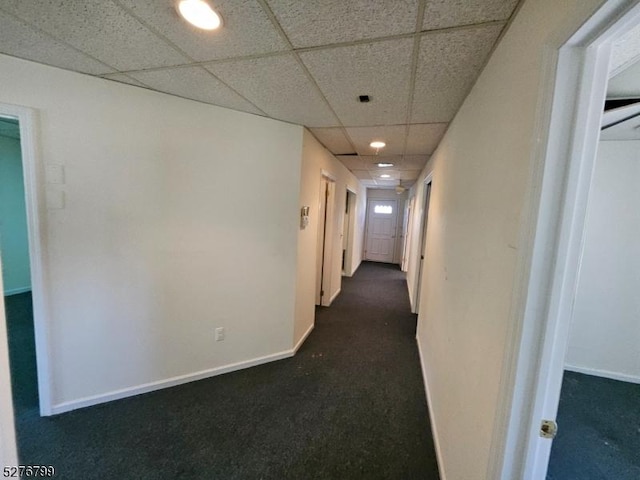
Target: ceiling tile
(101, 29)
(333, 139)
(194, 83)
(352, 162)
(393, 136)
(369, 183)
(409, 174)
(381, 70)
(386, 183)
(122, 78)
(20, 40)
(279, 86)
(448, 66)
(424, 138)
(322, 22)
(414, 162)
(450, 13)
(373, 160)
(362, 174)
(247, 29)
(377, 172)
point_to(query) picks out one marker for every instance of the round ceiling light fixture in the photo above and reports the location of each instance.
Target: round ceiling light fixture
(199, 14)
(377, 144)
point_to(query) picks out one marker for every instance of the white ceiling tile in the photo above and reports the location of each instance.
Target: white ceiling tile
(278, 86)
(373, 160)
(386, 183)
(101, 29)
(381, 70)
(414, 162)
(362, 174)
(377, 173)
(322, 22)
(122, 78)
(424, 138)
(448, 66)
(20, 40)
(352, 162)
(194, 83)
(450, 13)
(333, 139)
(393, 136)
(246, 30)
(369, 183)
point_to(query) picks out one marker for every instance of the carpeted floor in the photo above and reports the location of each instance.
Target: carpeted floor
(349, 405)
(598, 430)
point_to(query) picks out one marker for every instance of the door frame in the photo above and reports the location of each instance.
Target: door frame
(395, 227)
(351, 201)
(35, 204)
(568, 122)
(325, 239)
(427, 186)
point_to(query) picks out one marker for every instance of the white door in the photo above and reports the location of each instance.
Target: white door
(382, 219)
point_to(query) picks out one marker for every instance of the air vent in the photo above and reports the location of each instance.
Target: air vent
(364, 98)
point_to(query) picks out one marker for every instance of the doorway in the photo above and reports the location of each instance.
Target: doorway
(347, 233)
(325, 244)
(382, 219)
(557, 239)
(422, 242)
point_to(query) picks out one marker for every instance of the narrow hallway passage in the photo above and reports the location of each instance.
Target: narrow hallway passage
(349, 405)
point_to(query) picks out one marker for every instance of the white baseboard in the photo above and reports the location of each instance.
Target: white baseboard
(16, 291)
(303, 338)
(623, 377)
(170, 382)
(432, 420)
(334, 296)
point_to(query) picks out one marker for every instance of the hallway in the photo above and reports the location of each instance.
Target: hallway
(350, 404)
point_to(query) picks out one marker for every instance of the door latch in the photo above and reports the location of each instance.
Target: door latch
(548, 429)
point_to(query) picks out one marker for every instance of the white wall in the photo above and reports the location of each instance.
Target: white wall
(605, 330)
(315, 160)
(146, 258)
(390, 194)
(481, 176)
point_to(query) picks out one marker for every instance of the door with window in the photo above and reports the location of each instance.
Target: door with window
(382, 218)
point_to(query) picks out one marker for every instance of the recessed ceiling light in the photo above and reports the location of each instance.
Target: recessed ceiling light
(377, 144)
(385, 176)
(385, 165)
(200, 14)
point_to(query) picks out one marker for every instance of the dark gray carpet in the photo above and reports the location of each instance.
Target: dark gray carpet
(349, 405)
(598, 430)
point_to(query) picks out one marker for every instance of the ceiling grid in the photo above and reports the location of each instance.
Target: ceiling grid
(302, 62)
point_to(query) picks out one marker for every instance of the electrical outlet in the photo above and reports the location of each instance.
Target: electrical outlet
(219, 334)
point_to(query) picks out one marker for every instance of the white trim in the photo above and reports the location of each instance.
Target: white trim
(622, 377)
(334, 296)
(16, 291)
(36, 223)
(303, 338)
(567, 126)
(432, 420)
(422, 243)
(170, 382)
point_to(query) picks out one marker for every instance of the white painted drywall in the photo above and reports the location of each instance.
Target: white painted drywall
(390, 194)
(146, 258)
(315, 160)
(14, 239)
(605, 329)
(482, 171)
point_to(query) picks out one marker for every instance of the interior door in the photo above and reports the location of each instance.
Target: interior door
(382, 217)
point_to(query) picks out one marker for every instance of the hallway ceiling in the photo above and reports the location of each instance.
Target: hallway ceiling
(300, 61)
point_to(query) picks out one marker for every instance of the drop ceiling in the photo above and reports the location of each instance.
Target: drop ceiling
(300, 61)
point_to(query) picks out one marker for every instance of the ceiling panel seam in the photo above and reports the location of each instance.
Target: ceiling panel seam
(59, 40)
(163, 38)
(412, 76)
(306, 71)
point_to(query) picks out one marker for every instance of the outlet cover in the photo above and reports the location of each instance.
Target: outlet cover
(219, 334)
